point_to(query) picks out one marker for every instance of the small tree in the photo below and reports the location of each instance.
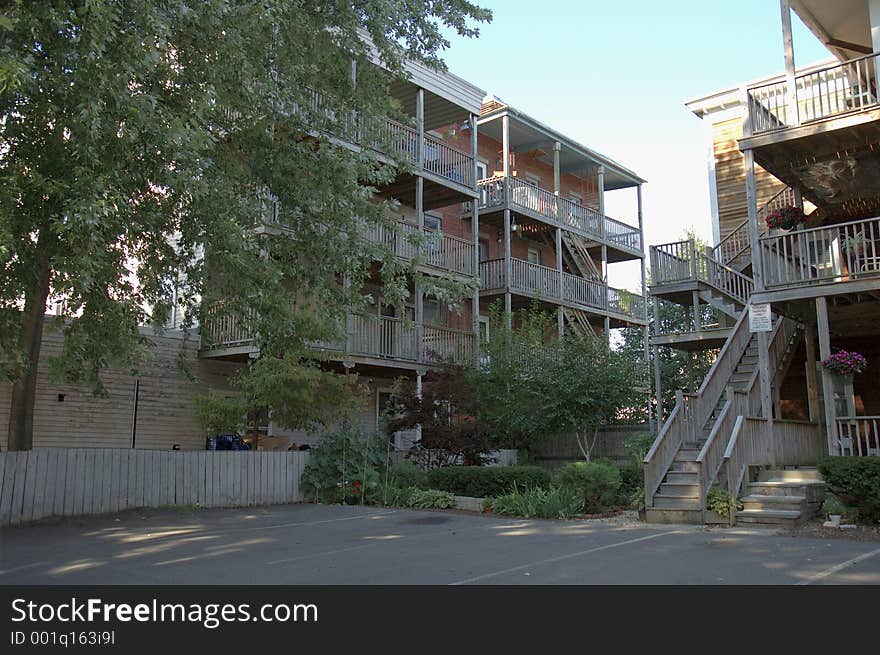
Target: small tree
(449, 412)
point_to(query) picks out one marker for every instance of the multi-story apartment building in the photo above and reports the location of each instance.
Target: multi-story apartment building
(787, 299)
(510, 202)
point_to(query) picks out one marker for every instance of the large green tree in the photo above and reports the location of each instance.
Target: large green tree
(138, 142)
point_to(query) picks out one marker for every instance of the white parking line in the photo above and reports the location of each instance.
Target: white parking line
(561, 558)
(839, 567)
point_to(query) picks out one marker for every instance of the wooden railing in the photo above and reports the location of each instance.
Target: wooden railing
(369, 335)
(446, 161)
(836, 253)
(758, 442)
(711, 456)
(442, 344)
(832, 91)
(677, 429)
(859, 435)
(681, 261)
(559, 211)
(221, 329)
(444, 251)
(736, 244)
(544, 282)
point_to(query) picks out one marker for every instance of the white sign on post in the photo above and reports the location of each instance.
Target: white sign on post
(759, 318)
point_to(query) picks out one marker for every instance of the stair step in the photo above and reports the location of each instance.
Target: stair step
(660, 515)
(793, 475)
(683, 477)
(768, 502)
(672, 502)
(687, 455)
(685, 466)
(776, 516)
(680, 489)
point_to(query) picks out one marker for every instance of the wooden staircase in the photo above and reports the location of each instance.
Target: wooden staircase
(782, 496)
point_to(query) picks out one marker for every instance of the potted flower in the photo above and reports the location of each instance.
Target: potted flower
(833, 509)
(845, 363)
(786, 218)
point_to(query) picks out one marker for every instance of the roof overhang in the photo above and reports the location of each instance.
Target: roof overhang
(843, 26)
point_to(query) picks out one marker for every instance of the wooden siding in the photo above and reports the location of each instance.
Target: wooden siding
(730, 176)
(165, 408)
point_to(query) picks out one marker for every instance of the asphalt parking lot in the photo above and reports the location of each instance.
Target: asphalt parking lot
(316, 544)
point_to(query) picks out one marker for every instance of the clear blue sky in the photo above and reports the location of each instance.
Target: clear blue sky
(615, 76)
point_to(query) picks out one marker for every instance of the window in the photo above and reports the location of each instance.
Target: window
(531, 180)
(482, 170)
(432, 311)
(483, 245)
(534, 256)
(384, 408)
(484, 329)
(433, 221)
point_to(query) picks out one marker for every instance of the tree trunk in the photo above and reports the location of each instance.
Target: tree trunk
(24, 389)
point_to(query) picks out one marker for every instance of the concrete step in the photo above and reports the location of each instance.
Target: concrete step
(683, 477)
(804, 474)
(775, 517)
(785, 488)
(764, 502)
(660, 515)
(671, 502)
(680, 489)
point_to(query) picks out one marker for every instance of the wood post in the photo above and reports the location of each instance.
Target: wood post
(505, 155)
(560, 321)
(475, 234)
(811, 373)
(752, 207)
(420, 119)
(827, 383)
(788, 46)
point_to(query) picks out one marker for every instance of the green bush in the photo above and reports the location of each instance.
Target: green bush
(430, 499)
(598, 482)
(722, 503)
(632, 477)
(407, 474)
(550, 503)
(856, 482)
(341, 458)
(486, 481)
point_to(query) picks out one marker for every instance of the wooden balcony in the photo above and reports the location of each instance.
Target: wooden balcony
(442, 252)
(545, 283)
(546, 206)
(440, 161)
(803, 263)
(381, 338)
(847, 88)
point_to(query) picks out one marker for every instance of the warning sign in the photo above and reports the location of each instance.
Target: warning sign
(759, 318)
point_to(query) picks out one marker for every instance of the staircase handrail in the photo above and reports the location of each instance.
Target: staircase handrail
(711, 390)
(662, 452)
(711, 456)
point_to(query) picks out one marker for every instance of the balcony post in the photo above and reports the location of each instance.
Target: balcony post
(505, 147)
(508, 309)
(752, 208)
(557, 147)
(811, 373)
(788, 46)
(695, 300)
(827, 381)
(560, 319)
(420, 328)
(420, 219)
(600, 181)
(475, 233)
(420, 120)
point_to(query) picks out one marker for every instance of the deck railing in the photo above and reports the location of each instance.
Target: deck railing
(677, 429)
(369, 335)
(559, 211)
(681, 261)
(859, 435)
(825, 93)
(446, 161)
(736, 243)
(546, 282)
(444, 251)
(834, 253)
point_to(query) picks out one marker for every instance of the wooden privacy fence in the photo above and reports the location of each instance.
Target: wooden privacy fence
(47, 482)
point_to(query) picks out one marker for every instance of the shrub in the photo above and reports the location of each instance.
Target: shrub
(722, 503)
(632, 477)
(856, 482)
(597, 482)
(637, 499)
(407, 474)
(485, 481)
(832, 505)
(550, 503)
(430, 499)
(342, 458)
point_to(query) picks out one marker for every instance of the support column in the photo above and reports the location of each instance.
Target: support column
(827, 383)
(475, 234)
(420, 219)
(752, 208)
(812, 374)
(600, 182)
(420, 120)
(695, 302)
(788, 46)
(640, 215)
(560, 319)
(658, 388)
(505, 155)
(557, 148)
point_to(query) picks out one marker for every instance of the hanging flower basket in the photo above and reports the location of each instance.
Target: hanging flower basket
(845, 363)
(786, 218)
